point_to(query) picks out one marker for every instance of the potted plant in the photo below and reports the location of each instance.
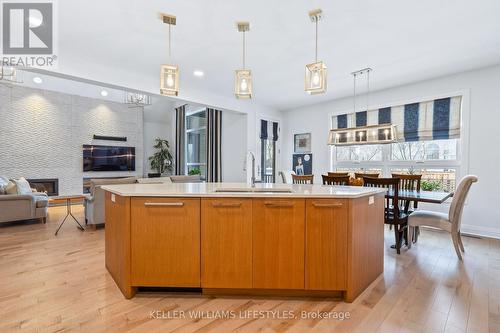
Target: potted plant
(194, 172)
(161, 161)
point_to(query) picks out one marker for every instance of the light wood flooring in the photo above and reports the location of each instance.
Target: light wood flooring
(58, 284)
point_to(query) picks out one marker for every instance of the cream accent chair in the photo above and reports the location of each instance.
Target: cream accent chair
(286, 176)
(449, 222)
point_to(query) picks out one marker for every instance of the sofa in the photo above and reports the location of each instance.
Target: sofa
(17, 204)
(94, 203)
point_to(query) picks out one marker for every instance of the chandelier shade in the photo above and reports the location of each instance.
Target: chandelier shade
(169, 80)
(315, 78)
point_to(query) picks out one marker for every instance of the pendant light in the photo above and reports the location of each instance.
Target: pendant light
(9, 74)
(315, 78)
(362, 135)
(169, 74)
(243, 77)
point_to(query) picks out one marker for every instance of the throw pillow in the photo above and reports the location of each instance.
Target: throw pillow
(3, 184)
(11, 188)
(23, 187)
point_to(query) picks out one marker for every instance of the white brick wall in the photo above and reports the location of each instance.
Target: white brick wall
(42, 133)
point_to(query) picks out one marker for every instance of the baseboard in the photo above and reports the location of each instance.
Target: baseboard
(480, 231)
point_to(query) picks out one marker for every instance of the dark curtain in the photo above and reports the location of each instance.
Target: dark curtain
(214, 156)
(180, 135)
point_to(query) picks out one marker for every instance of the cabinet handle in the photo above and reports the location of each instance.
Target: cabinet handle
(332, 205)
(229, 204)
(162, 204)
(279, 204)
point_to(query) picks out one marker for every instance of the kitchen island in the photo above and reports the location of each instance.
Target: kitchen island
(229, 238)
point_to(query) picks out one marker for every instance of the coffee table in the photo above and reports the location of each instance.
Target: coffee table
(68, 199)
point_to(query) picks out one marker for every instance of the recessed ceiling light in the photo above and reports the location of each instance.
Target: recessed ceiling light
(104, 93)
(37, 80)
(198, 73)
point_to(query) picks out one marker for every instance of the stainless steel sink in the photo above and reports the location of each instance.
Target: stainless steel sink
(253, 190)
(222, 189)
(273, 190)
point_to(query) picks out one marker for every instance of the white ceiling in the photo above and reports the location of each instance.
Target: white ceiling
(123, 42)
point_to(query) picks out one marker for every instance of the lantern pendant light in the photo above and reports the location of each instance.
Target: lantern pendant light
(169, 74)
(243, 77)
(315, 77)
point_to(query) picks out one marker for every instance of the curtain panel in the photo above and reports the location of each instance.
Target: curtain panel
(180, 138)
(268, 130)
(429, 120)
(214, 145)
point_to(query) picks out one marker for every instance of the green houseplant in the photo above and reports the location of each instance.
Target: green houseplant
(194, 171)
(161, 161)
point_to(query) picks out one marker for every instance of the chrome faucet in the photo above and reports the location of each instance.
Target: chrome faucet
(252, 156)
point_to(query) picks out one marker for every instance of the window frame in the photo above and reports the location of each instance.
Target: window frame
(191, 130)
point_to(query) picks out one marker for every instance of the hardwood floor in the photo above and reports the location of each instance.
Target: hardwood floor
(50, 284)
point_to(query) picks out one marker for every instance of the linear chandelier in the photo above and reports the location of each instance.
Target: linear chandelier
(169, 74)
(362, 135)
(137, 99)
(315, 76)
(243, 77)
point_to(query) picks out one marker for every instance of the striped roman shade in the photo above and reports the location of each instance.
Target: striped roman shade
(430, 120)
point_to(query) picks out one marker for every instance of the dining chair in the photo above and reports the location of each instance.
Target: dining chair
(409, 183)
(393, 215)
(307, 179)
(362, 175)
(335, 180)
(450, 222)
(286, 176)
(338, 174)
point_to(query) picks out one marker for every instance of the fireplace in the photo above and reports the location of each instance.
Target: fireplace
(49, 186)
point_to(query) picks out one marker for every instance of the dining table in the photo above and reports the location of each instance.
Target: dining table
(409, 196)
(421, 196)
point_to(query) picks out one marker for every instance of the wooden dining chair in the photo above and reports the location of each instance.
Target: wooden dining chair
(393, 215)
(338, 174)
(450, 222)
(409, 183)
(306, 179)
(362, 175)
(335, 180)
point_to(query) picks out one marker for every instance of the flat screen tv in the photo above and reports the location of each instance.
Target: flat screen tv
(108, 158)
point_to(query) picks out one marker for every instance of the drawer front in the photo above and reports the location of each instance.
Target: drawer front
(326, 244)
(226, 243)
(278, 243)
(165, 242)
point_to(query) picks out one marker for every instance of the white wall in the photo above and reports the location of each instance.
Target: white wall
(42, 133)
(481, 102)
(159, 121)
(234, 146)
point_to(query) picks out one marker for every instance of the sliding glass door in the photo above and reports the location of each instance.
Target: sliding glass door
(196, 143)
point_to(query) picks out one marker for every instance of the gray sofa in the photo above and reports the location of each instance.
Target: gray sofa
(17, 207)
(94, 204)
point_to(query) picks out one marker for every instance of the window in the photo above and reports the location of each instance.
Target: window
(196, 143)
(437, 160)
(268, 160)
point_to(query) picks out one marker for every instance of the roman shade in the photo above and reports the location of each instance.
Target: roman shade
(268, 130)
(429, 120)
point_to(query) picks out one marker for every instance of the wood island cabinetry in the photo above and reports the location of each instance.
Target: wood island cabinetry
(270, 245)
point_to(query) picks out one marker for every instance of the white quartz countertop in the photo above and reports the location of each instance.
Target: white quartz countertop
(240, 190)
